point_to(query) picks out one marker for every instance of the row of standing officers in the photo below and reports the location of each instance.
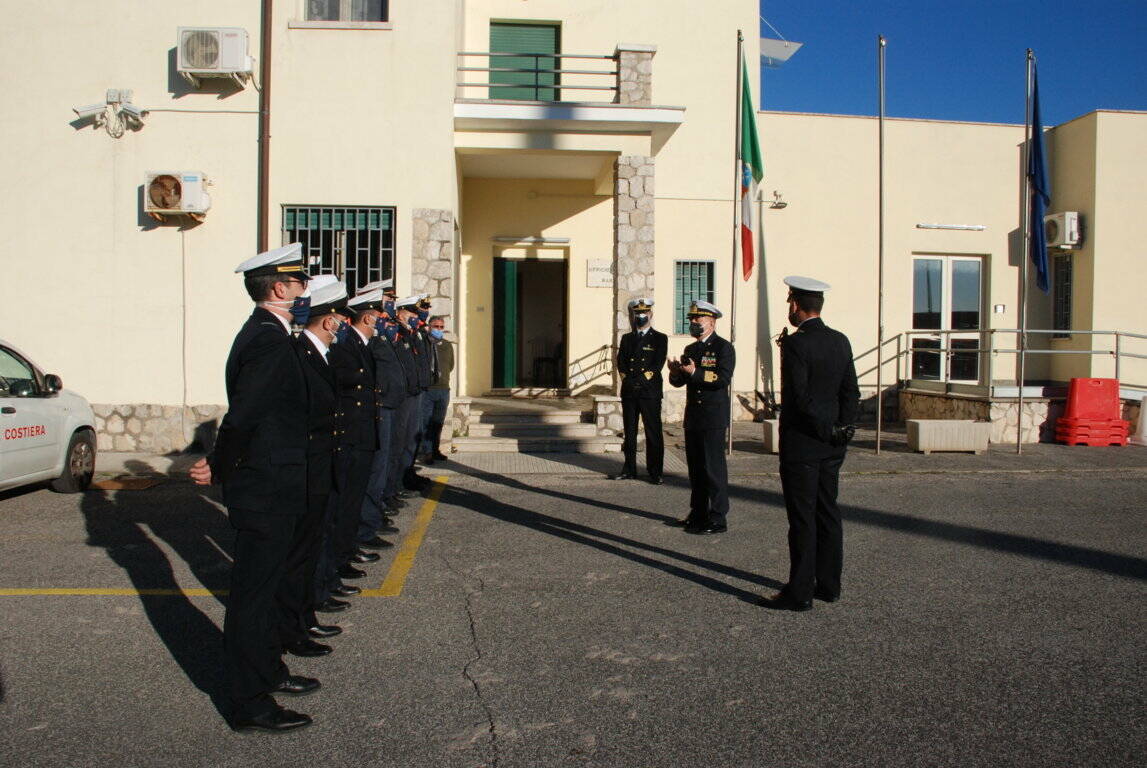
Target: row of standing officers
(316, 451)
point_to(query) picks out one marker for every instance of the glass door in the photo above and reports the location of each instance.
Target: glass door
(947, 298)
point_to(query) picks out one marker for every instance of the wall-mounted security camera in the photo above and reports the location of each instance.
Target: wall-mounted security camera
(90, 111)
(133, 112)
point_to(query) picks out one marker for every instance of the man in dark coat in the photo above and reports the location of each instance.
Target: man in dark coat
(706, 370)
(640, 358)
(260, 458)
(296, 598)
(819, 403)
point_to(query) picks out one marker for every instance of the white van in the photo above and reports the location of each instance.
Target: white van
(46, 432)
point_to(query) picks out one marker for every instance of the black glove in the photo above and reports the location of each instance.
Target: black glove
(842, 434)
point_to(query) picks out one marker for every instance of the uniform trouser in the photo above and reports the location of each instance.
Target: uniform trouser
(296, 589)
(250, 627)
(708, 475)
(374, 499)
(413, 438)
(352, 471)
(434, 404)
(649, 409)
(399, 436)
(816, 541)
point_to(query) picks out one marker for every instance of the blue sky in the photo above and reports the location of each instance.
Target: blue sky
(959, 60)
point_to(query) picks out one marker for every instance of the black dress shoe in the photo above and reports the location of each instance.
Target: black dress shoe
(365, 557)
(277, 719)
(656, 480)
(348, 571)
(405, 494)
(346, 590)
(332, 605)
(297, 685)
(324, 630)
(439, 456)
(782, 602)
(423, 460)
(683, 522)
(394, 503)
(706, 530)
(376, 543)
(825, 596)
(307, 647)
(624, 476)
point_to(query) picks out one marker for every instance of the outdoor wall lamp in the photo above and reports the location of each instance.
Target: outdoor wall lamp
(777, 201)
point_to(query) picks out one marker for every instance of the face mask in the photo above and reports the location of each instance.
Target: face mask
(696, 329)
(338, 331)
(641, 320)
(301, 310)
(423, 314)
(388, 308)
(341, 333)
(379, 325)
(391, 332)
(413, 323)
(436, 332)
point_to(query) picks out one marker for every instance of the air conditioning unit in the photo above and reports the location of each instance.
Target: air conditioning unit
(176, 193)
(213, 52)
(1061, 230)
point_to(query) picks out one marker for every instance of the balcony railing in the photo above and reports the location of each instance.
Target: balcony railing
(538, 77)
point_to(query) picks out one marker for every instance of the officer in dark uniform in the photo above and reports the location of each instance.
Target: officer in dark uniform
(298, 623)
(427, 359)
(819, 403)
(706, 370)
(260, 458)
(407, 412)
(640, 358)
(422, 352)
(390, 391)
(354, 379)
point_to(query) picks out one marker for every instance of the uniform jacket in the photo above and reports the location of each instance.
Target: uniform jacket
(323, 419)
(389, 376)
(404, 350)
(639, 361)
(260, 452)
(354, 381)
(707, 390)
(424, 358)
(818, 390)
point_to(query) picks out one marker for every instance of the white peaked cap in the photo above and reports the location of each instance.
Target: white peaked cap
(326, 289)
(277, 260)
(806, 284)
(361, 298)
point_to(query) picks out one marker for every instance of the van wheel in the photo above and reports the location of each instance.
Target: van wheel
(79, 465)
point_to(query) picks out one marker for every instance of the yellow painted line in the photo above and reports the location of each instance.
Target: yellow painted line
(196, 592)
(391, 586)
(404, 560)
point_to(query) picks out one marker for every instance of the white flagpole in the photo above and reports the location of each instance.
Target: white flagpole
(1026, 256)
(736, 232)
(880, 42)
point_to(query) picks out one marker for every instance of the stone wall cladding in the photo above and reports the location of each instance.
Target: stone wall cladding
(432, 260)
(633, 228)
(1036, 423)
(635, 75)
(157, 429)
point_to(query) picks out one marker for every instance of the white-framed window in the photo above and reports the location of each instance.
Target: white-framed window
(343, 14)
(947, 297)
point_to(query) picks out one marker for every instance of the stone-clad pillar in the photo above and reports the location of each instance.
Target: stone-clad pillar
(432, 260)
(633, 235)
(635, 74)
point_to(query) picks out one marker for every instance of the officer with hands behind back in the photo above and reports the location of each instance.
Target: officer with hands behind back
(260, 459)
(706, 371)
(819, 403)
(640, 358)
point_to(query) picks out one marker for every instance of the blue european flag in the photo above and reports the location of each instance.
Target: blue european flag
(1040, 191)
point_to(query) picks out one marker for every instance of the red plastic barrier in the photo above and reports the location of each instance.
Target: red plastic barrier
(1093, 399)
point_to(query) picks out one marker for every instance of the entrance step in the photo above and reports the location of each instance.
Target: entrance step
(528, 392)
(537, 417)
(533, 429)
(541, 444)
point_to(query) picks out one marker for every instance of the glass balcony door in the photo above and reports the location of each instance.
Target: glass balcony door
(947, 298)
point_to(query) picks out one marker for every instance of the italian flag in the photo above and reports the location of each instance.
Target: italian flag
(751, 169)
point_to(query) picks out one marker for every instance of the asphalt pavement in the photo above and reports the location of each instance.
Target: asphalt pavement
(992, 614)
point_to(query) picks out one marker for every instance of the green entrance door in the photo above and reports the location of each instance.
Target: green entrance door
(505, 323)
(537, 45)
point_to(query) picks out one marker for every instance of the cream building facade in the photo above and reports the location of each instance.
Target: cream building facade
(406, 141)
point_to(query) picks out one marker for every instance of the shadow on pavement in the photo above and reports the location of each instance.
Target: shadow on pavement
(598, 539)
(120, 522)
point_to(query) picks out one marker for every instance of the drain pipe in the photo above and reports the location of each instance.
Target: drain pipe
(264, 125)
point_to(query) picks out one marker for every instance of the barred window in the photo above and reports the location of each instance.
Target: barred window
(1061, 295)
(692, 281)
(348, 10)
(356, 244)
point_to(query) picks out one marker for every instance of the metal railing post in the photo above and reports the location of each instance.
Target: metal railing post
(1117, 351)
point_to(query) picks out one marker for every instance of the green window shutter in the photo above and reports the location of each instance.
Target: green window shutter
(536, 40)
(692, 280)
